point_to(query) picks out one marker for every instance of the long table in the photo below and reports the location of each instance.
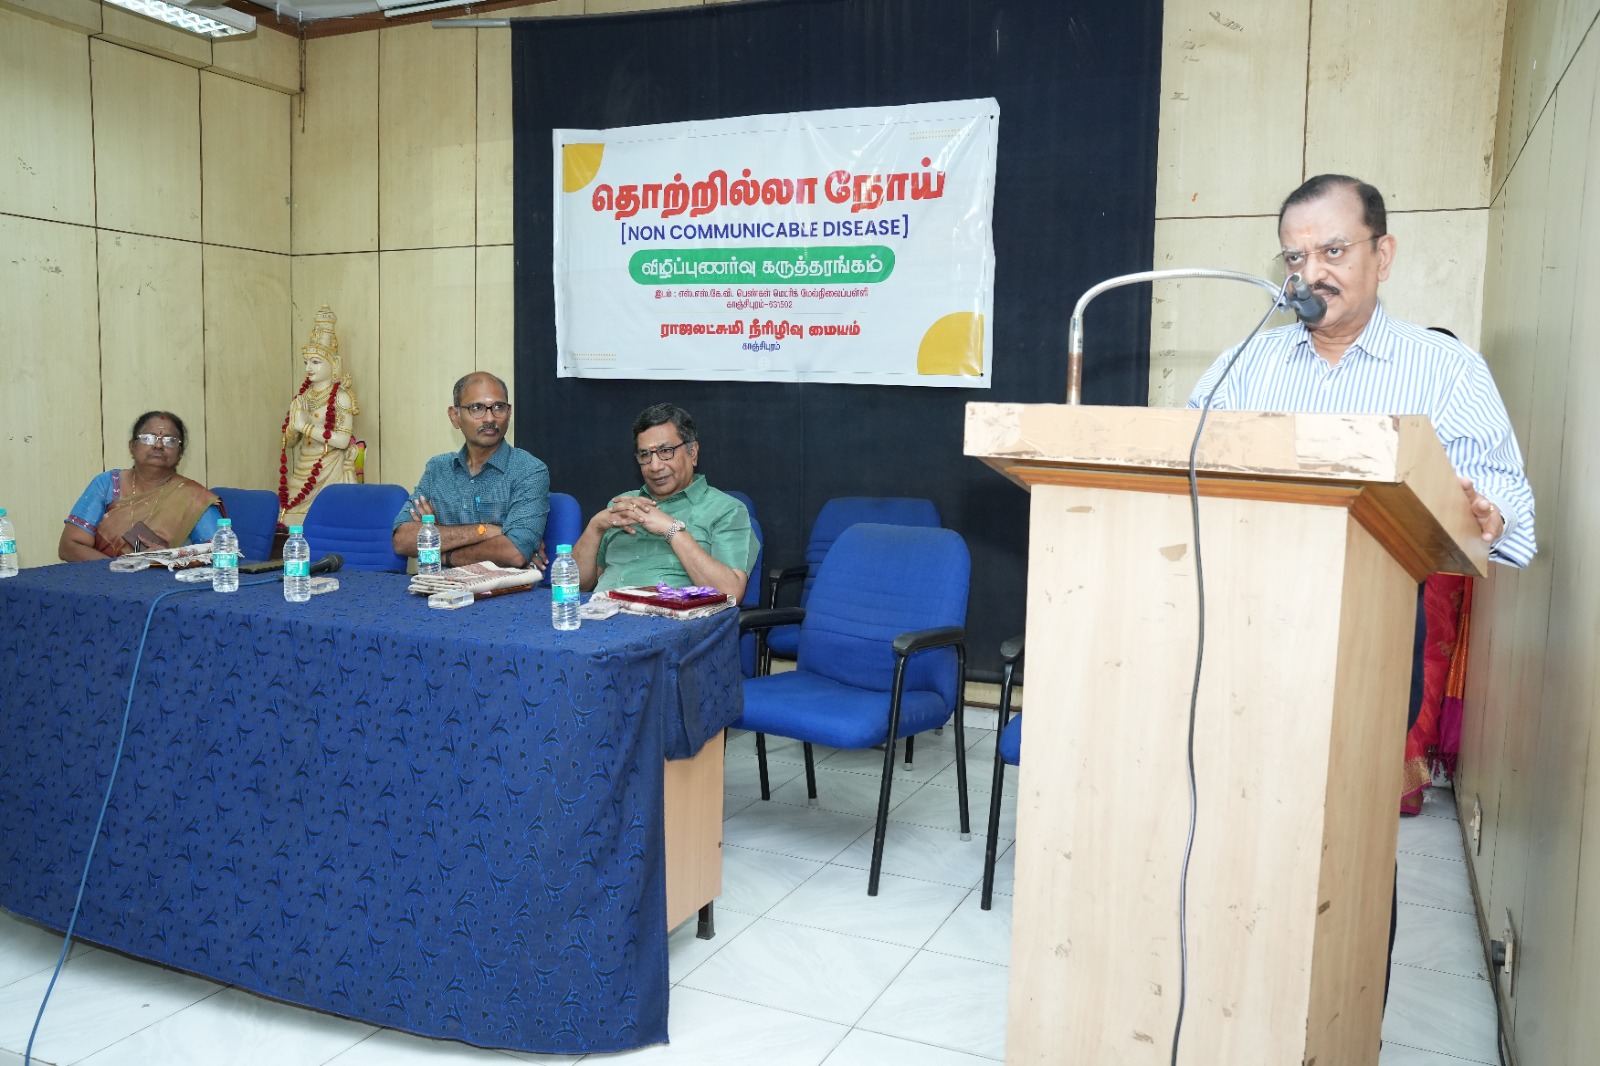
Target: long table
(447, 822)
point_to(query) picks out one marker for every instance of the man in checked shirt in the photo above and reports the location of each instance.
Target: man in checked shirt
(1333, 231)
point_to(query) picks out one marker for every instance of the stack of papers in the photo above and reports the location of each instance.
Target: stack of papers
(478, 578)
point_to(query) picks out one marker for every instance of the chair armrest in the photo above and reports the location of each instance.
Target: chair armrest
(1011, 650)
(922, 639)
(752, 619)
(779, 576)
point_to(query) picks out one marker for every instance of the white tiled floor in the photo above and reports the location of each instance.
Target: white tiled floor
(805, 969)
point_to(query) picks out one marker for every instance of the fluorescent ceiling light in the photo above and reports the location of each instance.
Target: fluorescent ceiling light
(205, 21)
(412, 9)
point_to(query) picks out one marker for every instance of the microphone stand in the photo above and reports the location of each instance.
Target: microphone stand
(1075, 336)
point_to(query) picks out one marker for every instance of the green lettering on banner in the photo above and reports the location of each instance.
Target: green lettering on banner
(863, 264)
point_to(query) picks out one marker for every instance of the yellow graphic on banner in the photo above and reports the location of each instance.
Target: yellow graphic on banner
(579, 164)
(953, 346)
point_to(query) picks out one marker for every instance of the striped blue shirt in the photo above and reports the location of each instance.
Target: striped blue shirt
(1397, 368)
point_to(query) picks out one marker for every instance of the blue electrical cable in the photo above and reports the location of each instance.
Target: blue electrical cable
(127, 713)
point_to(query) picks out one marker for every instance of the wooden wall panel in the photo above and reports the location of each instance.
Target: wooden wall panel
(48, 270)
(146, 142)
(47, 167)
(494, 137)
(246, 333)
(1233, 90)
(495, 300)
(1192, 322)
(244, 164)
(1557, 440)
(1541, 37)
(1438, 271)
(1501, 752)
(151, 341)
(154, 38)
(335, 147)
(427, 105)
(348, 284)
(427, 313)
(80, 15)
(269, 58)
(1428, 65)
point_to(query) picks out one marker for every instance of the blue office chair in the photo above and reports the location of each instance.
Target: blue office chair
(749, 651)
(749, 504)
(752, 588)
(357, 521)
(884, 594)
(836, 516)
(1007, 749)
(563, 525)
(255, 520)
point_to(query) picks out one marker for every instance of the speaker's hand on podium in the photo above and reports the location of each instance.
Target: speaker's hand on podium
(1489, 517)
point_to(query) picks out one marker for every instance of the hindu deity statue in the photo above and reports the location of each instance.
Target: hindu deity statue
(316, 448)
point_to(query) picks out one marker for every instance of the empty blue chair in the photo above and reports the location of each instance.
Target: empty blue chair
(1007, 749)
(357, 521)
(882, 656)
(255, 519)
(836, 516)
(563, 525)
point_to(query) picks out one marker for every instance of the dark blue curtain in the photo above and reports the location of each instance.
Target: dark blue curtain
(1078, 83)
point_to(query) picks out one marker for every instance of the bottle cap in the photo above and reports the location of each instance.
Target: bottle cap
(563, 549)
(295, 531)
(224, 523)
(427, 519)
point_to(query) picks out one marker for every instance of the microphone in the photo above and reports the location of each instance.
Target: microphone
(328, 563)
(1307, 305)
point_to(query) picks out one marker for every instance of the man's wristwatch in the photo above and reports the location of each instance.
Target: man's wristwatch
(674, 529)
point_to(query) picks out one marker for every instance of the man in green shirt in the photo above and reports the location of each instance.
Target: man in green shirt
(677, 529)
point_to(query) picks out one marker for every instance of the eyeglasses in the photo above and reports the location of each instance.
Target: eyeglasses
(478, 410)
(664, 452)
(150, 440)
(1331, 253)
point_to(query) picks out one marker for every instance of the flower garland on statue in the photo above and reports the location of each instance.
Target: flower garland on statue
(328, 420)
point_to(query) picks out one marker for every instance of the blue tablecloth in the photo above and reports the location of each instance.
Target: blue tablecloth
(448, 822)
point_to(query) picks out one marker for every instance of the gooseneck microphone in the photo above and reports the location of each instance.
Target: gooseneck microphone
(1307, 305)
(1075, 331)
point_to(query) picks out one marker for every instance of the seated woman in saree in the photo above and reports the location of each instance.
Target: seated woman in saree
(147, 506)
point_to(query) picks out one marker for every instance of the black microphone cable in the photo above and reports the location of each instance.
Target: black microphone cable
(94, 839)
(1284, 301)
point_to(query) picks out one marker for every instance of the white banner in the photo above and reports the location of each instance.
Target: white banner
(842, 246)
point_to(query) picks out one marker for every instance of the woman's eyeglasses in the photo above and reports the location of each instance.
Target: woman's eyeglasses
(150, 440)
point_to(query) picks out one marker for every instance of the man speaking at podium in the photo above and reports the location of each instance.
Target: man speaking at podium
(1356, 359)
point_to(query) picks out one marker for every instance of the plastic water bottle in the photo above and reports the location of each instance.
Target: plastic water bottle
(296, 566)
(564, 589)
(428, 547)
(225, 558)
(8, 546)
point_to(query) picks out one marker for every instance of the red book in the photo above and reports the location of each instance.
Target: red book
(651, 595)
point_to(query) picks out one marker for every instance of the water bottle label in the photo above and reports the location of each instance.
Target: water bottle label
(428, 556)
(225, 560)
(298, 568)
(564, 594)
(8, 547)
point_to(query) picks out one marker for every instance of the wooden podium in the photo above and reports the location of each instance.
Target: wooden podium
(1315, 530)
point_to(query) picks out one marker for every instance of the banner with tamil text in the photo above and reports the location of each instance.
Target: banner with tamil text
(832, 246)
